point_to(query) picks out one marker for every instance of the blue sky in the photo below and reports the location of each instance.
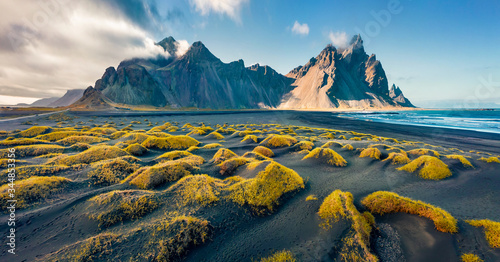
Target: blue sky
(433, 50)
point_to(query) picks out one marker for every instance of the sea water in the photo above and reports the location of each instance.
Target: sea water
(485, 120)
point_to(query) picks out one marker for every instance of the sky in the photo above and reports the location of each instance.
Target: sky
(437, 52)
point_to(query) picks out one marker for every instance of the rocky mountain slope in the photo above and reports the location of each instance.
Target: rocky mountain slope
(336, 78)
(67, 99)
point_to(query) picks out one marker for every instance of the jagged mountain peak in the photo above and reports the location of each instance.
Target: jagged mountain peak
(169, 45)
(198, 51)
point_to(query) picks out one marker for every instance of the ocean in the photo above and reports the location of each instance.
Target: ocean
(487, 120)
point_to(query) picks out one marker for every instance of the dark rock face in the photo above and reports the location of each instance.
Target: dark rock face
(335, 78)
(91, 99)
(69, 98)
(341, 78)
(397, 95)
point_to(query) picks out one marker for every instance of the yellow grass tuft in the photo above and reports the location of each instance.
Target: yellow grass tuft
(491, 230)
(230, 165)
(118, 134)
(136, 149)
(32, 150)
(311, 198)
(133, 138)
(470, 258)
(304, 145)
(348, 147)
(423, 151)
(93, 154)
(170, 143)
(371, 152)
(339, 205)
(24, 172)
(173, 155)
(398, 158)
(433, 168)
(212, 146)
(117, 206)
(382, 202)
(462, 159)
(221, 155)
(327, 156)
(263, 151)
(111, 171)
(58, 135)
(281, 256)
(81, 139)
(159, 174)
(35, 131)
(331, 143)
(103, 130)
(264, 192)
(250, 138)
(491, 159)
(21, 142)
(215, 135)
(275, 141)
(32, 190)
(203, 190)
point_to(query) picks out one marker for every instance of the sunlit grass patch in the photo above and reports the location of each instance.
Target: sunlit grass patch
(331, 144)
(136, 149)
(230, 165)
(170, 143)
(80, 147)
(304, 145)
(355, 138)
(264, 192)
(327, 156)
(423, 151)
(215, 135)
(275, 141)
(111, 171)
(492, 159)
(491, 230)
(35, 131)
(58, 135)
(93, 154)
(355, 246)
(32, 150)
(470, 258)
(81, 139)
(159, 174)
(311, 198)
(27, 171)
(263, 151)
(433, 168)
(462, 159)
(4, 162)
(103, 130)
(371, 152)
(31, 190)
(398, 158)
(133, 138)
(21, 141)
(383, 202)
(212, 146)
(327, 135)
(281, 256)
(221, 155)
(250, 138)
(173, 155)
(118, 134)
(117, 206)
(348, 147)
(200, 189)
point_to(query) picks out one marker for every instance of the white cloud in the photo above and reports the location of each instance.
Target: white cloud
(70, 50)
(300, 29)
(231, 8)
(339, 39)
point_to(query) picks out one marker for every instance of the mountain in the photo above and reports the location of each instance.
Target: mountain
(336, 78)
(91, 99)
(69, 98)
(342, 78)
(44, 102)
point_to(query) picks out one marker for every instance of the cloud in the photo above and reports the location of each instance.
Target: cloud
(45, 51)
(231, 8)
(339, 39)
(300, 29)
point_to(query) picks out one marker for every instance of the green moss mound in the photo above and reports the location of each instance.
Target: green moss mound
(327, 156)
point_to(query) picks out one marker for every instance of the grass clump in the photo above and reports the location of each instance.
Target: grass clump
(212, 146)
(117, 206)
(264, 192)
(331, 143)
(81, 139)
(249, 139)
(492, 159)
(159, 174)
(276, 141)
(80, 147)
(383, 202)
(33, 150)
(371, 152)
(328, 156)
(348, 147)
(470, 258)
(433, 168)
(222, 155)
(462, 159)
(203, 190)
(92, 249)
(263, 151)
(133, 138)
(111, 172)
(491, 230)
(23, 172)
(229, 166)
(93, 154)
(35, 131)
(170, 143)
(423, 151)
(173, 155)
(21, 142)
(304, 145)
(311, 198)
(118, 134)
(281, 256)
(215, 135)
(58, 135)
(32, 190)
(355, 245)
(398, 158)
(136, 149)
